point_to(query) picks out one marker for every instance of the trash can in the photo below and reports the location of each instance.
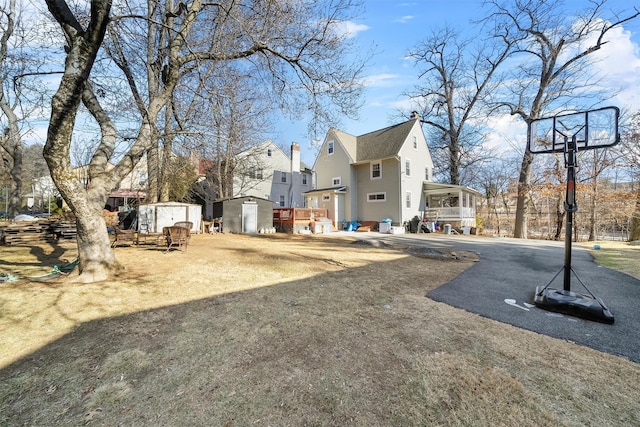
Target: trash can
(447, 229)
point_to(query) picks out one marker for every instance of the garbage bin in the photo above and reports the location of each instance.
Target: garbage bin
(413, 224)
(447, 229)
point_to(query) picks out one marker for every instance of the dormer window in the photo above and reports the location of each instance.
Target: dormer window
(330, 147)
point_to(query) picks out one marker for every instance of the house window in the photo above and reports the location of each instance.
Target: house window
(408, 200)
(304, 179)
(283, 177)
(407, 167)
(330, 148)
(269, 152)
(259, 174)
(415, 143)
(376, 197)
(337, 180)
(281, 201)
(326, 197)
(376, 170)
(426, 174)
(252, 172)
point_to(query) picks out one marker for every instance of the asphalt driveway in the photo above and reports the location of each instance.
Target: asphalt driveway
(510, 269)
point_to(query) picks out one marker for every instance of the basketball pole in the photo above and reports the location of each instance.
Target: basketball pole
(570, 207)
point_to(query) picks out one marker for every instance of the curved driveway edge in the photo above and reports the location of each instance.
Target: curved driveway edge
(501, 286)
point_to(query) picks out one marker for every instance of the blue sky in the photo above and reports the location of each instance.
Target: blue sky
(394, 27)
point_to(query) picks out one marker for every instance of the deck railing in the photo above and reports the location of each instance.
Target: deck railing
(451, 213)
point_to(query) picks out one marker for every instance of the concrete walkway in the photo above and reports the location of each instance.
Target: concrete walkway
(502, 284)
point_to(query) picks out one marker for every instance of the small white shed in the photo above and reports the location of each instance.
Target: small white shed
(154, 216)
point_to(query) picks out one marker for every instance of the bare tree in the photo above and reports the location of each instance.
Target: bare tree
(493, 180)
(553, 50)
(295, 47)
(457, 74)
(20, 92)
(631, 154)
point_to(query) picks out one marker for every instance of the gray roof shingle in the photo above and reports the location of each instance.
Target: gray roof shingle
(383, 143)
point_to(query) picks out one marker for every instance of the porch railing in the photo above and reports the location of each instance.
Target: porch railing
(451, 213)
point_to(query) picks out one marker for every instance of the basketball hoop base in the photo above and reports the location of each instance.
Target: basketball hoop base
(573, 304)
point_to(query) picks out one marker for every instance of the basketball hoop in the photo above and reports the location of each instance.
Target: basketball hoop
(568, 134)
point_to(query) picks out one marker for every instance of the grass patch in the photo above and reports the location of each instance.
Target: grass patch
(620, 256)
(323, 333)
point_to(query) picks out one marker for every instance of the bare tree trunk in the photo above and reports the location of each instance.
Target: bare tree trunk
(560, 213)
(97, 259)
(167, 153)
(153, 174)
(634, 232)
(593, 218)
(522, 201)
(13, 148)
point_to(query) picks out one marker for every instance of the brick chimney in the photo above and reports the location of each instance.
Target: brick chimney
(415, 115)
(295, 157)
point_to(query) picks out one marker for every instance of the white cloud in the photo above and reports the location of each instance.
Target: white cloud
(349, 28)
(404, 19)
(507, 132)
(380, 80)
(619, 64)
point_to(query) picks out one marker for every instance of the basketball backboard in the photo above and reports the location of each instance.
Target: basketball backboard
(591, 129)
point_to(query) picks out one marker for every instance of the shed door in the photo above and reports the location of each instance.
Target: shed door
(249, 218)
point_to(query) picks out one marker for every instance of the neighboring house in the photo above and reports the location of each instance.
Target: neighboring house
(385, 174)
(265, 171)
(129, 192)
(132, 190)
(42, 190)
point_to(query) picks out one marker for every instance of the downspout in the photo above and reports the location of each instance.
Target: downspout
(400, 196)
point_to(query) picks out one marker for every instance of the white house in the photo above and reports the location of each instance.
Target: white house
(385, 174)
(267, 172)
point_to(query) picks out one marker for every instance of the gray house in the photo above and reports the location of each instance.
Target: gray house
(266, 171)
(385, 174)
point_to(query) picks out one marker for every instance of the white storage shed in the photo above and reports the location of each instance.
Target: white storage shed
(154, 216)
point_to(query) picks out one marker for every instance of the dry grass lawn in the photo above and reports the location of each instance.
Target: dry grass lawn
(620, 256)
(284, 330)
